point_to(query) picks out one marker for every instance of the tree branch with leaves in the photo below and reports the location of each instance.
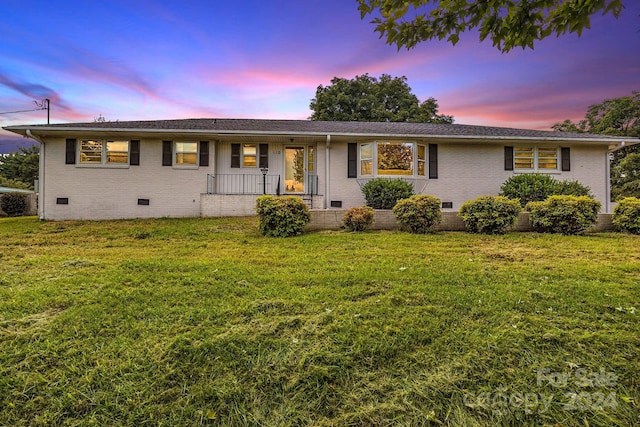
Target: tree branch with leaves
(507, 23)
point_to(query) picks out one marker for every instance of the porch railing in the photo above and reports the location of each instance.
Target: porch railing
(253, 184)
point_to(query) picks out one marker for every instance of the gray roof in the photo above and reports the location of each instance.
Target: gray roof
(308, 127)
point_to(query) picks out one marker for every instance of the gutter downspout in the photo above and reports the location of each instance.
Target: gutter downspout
(607, 170)
(326, 172)
(41, 182)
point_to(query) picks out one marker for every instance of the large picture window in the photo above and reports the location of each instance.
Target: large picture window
(535, 158)
(104, 152)
(392, 158)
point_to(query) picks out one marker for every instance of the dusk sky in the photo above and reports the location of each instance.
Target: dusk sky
(155, 59)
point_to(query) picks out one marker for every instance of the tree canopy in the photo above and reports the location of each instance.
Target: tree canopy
(20, 168)
(507, 23)
(366, 98)
(615, 116)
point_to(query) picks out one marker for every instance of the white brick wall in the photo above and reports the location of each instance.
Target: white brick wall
(109, 193)
(466, 171)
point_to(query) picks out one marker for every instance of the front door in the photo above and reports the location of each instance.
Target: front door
(298, 169)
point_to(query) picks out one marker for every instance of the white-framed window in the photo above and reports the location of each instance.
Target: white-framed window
(101, 152)
(249, 155)
(393, 158)
(186, 154)
(535, 158)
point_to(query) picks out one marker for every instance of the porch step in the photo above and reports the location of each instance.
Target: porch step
(308, 200)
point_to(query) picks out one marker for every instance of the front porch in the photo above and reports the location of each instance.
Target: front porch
(236, 194)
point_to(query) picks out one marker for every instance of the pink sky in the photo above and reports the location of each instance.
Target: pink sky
(133, 60)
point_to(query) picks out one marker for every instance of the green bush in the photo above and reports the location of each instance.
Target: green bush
(536, 187)
(384, 193)
(282, 216)
(563, 214)
(419, 213)
(490, 214)
(358, 219)
(571, 188)
(626, 215)
(13, 204)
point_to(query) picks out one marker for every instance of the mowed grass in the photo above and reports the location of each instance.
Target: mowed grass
(181, 322)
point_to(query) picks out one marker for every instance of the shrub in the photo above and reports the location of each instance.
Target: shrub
(358, 219)
(282, 216)
(13, 204)
(536, 187)
(571, 188)
(419, 213)
(563, 214)
(490, 214)
(626, 215)
(528, 187)
(384, 193)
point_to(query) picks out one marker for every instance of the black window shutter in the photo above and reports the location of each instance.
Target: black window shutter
(235, 155)
(204, 153)
(565, 158)
(264, 156)
(167, 153)
(352, 160)
(508, 158)
(134, 153)
(70, 152)
(433, 161)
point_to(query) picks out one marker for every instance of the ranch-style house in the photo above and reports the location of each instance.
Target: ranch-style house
(217, 167)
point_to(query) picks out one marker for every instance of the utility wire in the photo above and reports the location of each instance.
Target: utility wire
(23, 111)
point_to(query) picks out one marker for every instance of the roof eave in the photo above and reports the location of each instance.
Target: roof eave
(44, 132)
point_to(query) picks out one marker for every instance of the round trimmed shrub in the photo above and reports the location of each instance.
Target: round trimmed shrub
(282, 216)
(626, 215)
(419, 213)
(13, 204)
(384, 193)
(358, 219)
(490, 214)
(563, 214)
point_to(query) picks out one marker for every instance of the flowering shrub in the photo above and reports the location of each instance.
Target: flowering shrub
(358, 219)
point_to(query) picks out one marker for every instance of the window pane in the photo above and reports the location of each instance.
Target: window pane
(547, 158)
(366, 159)
(310, 161)
(249, 158)
(523, 157)
(395, 158)
(90, 151)
(117, 152)
(422, 151)
(186, 153)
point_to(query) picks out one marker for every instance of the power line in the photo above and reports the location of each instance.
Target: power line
(44, 105)
(22, 111)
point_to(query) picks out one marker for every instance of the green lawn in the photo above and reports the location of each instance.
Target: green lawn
(204, 322)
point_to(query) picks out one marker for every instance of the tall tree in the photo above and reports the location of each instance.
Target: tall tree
(615, 116)
(507, 23)
(366, 98)
(21, 165)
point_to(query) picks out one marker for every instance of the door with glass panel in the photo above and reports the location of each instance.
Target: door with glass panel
(298, 170)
